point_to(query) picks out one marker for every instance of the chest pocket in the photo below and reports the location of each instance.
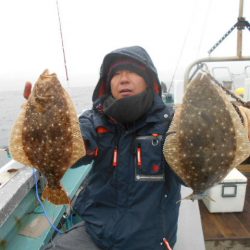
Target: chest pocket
(149, 158)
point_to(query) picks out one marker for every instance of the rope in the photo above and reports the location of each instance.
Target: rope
(41, 204)
(238, 99)
(223, 38)
(63, 50)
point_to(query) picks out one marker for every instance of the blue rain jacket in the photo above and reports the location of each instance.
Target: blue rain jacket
(130, 200)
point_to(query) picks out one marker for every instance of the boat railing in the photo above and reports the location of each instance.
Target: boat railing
(22, 221)
(202, 63)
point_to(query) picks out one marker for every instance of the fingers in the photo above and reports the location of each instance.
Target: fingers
(27, 90)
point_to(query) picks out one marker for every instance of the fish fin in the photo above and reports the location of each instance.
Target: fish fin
(57, 196)
(16, 144)
(208, 198)
(194, 197)
(79, 149)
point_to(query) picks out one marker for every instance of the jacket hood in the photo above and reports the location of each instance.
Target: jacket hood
(136, 53)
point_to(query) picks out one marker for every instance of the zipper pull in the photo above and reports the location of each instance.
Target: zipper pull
(96, 152)
(167, 244)
(115, 157)
(139, 156)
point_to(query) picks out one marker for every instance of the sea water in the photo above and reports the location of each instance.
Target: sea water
(11, 103)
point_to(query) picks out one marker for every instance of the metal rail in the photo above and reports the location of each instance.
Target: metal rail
(201, 62)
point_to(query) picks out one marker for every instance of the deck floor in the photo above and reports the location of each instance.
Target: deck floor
(227, 226)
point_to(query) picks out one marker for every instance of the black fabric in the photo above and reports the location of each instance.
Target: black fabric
(129, 109)
(136, 53)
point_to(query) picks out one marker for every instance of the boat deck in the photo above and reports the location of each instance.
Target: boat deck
(227, 227)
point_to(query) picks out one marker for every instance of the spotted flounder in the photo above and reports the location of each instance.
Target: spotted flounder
(47, 135)
(206, 138)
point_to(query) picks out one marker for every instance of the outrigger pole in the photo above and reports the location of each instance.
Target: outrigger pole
(241, 24)
(61, 35)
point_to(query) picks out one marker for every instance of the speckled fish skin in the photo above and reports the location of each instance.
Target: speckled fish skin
(208, 138)
(47, 135)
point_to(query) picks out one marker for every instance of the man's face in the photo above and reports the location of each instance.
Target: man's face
(126, 83)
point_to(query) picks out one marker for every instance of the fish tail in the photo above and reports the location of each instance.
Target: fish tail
(194, 197)
(58, 196)
(189, 197)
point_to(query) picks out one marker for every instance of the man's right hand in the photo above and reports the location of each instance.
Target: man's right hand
(27, 90)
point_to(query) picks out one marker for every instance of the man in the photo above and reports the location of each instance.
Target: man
(130, 201)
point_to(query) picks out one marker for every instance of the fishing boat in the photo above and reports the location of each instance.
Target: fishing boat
(28, 223)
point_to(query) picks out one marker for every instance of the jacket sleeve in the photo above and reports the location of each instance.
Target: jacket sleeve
(89, 136)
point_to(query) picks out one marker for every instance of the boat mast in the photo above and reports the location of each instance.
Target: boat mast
(239, 33)
(241, 24)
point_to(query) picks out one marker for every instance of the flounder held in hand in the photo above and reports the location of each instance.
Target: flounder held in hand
(47, 135)
(206, 137)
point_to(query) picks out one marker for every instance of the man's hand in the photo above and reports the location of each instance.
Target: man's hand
(27, 90)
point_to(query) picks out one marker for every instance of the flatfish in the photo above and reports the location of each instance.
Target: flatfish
(207, 137)
(47, 136)
(245, 112)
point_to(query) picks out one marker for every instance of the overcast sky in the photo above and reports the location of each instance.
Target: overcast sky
(174, 32)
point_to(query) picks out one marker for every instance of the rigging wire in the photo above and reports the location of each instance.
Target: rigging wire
(63, 50)
(208, 11)
(183, 46)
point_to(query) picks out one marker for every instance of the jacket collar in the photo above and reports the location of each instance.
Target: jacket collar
(156, 113)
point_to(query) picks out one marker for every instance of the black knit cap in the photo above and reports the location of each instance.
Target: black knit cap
(130, 65)
(135, 53)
